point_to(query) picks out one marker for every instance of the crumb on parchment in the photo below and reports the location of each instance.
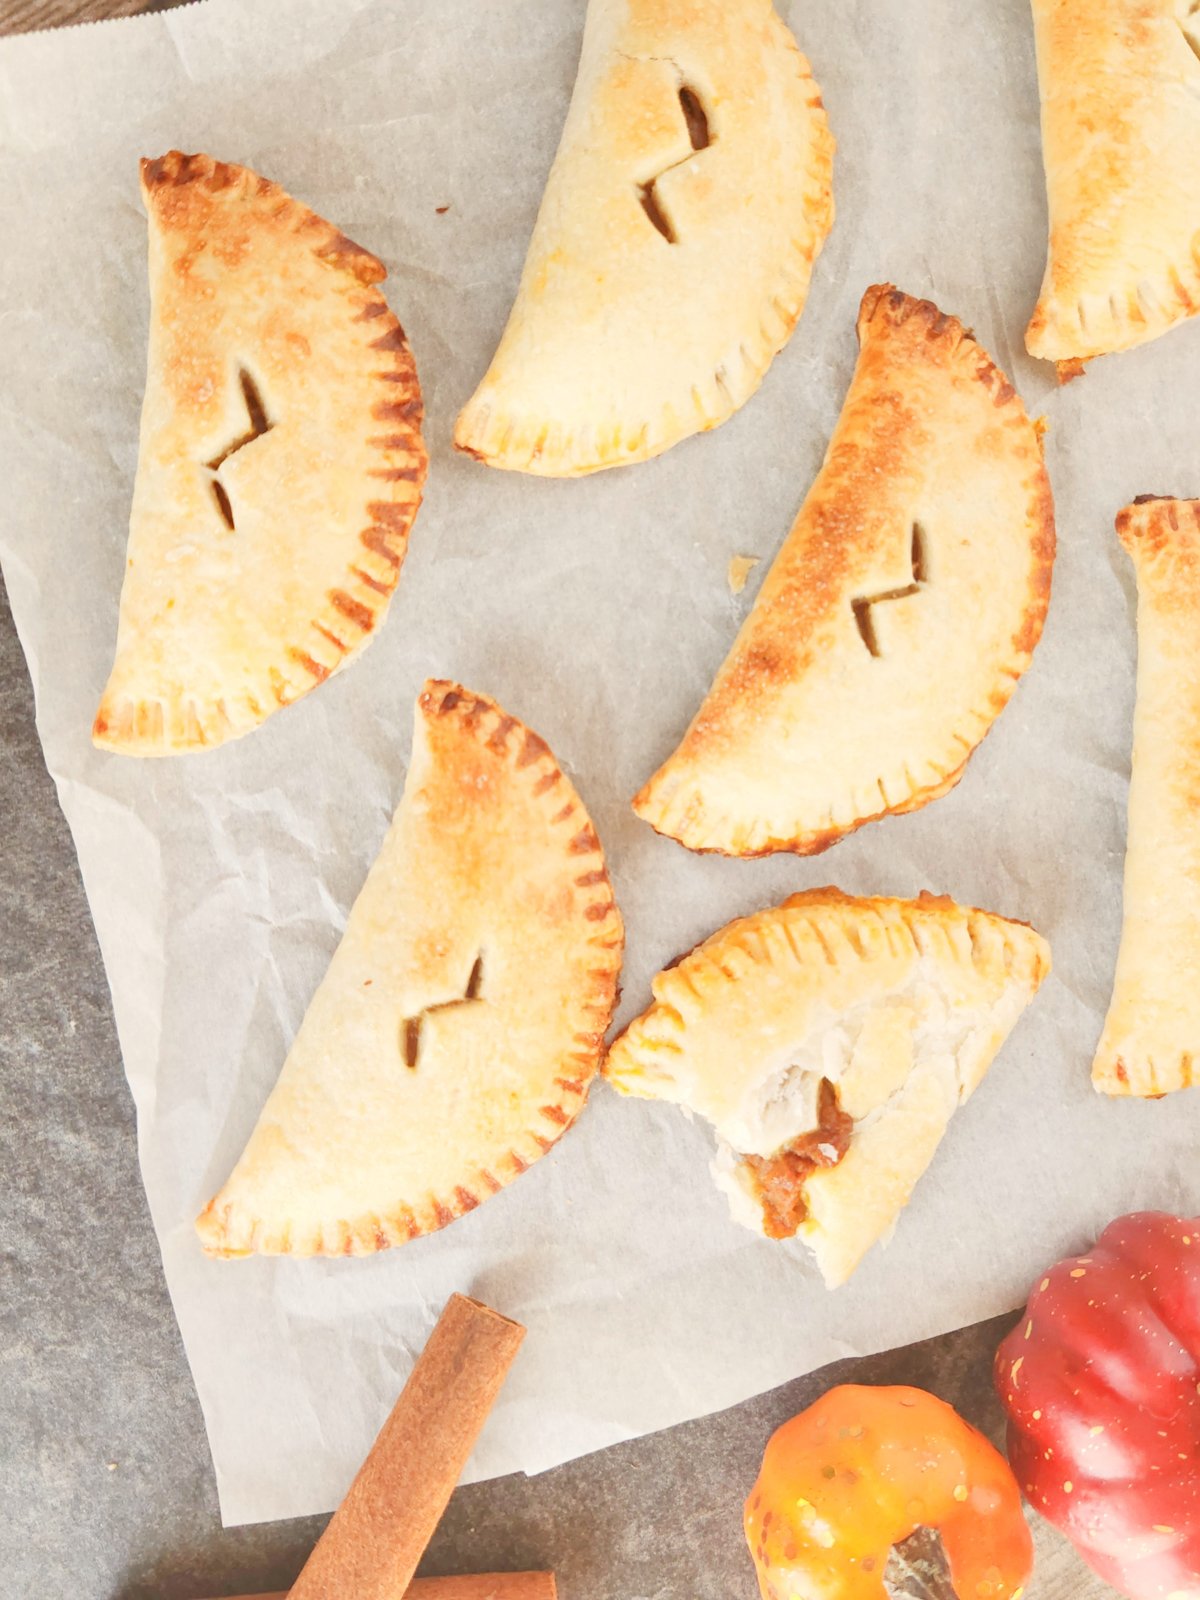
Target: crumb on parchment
(740, 568)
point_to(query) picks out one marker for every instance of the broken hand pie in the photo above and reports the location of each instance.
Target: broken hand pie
(897, 617)
(829, 1041)
(280, 464)
(461, 1020)
(1151, 1039)
(1120, 88)
(672, 251)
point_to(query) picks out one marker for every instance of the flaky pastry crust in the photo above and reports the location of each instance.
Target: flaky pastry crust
(280, 464)
(899, 614)
(1151, 1039)
(1120, 88)
(900, 1004)
(670, 261)
(454, 1037)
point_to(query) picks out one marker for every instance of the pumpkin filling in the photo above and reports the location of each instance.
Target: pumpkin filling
(778, 1180)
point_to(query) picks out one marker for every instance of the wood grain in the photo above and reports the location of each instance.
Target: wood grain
(23, 16)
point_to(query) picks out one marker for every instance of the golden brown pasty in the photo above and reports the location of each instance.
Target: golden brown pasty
(279, 469)
(829, 1041)
(898, 616)
(670, 261)
(461, 1020)
(1151, 1040)
(1120, 87)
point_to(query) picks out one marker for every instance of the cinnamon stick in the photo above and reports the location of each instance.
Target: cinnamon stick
(377, 1536)
(479, 1586)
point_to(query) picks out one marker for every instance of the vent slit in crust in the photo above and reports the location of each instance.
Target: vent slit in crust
(695, 116)
(655, 212)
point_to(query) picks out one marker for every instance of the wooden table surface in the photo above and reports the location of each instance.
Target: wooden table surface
(124, 1504)
(21, 16)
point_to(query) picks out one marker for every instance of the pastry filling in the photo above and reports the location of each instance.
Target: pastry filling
(778, 1181)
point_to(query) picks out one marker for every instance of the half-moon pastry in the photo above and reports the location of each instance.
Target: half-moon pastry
(897, 617)
(1151, 1039)
(462, 1018)
(829, 1041)
(671, 256)
(280, 464)
(1120, 88)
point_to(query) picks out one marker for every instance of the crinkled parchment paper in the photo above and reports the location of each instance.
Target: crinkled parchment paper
(597, 611)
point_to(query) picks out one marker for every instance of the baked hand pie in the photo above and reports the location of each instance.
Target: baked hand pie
(1151, 1039)
(1120, 87)
(829, 1041)
(898, 616)
(671, 256)
(454, 1037)
(280, 464)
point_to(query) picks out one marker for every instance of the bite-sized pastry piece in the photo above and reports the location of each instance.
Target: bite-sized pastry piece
(898, 616)
(280, 464)
(1120, 87)
(829, 1041)
(1151, 1039)
(671, 256)
(461, 1020)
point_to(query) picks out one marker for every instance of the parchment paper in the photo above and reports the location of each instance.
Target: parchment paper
(597, 611)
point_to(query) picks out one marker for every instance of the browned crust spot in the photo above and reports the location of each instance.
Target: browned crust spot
(409, 410)
(352, 609)
(1156, 524)
(371, 583)
(498, 739)
(382, 542)
(533, 749)
(339, 645)
(343, 252)
(393, 339)
(393, 515)
(303, 659)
